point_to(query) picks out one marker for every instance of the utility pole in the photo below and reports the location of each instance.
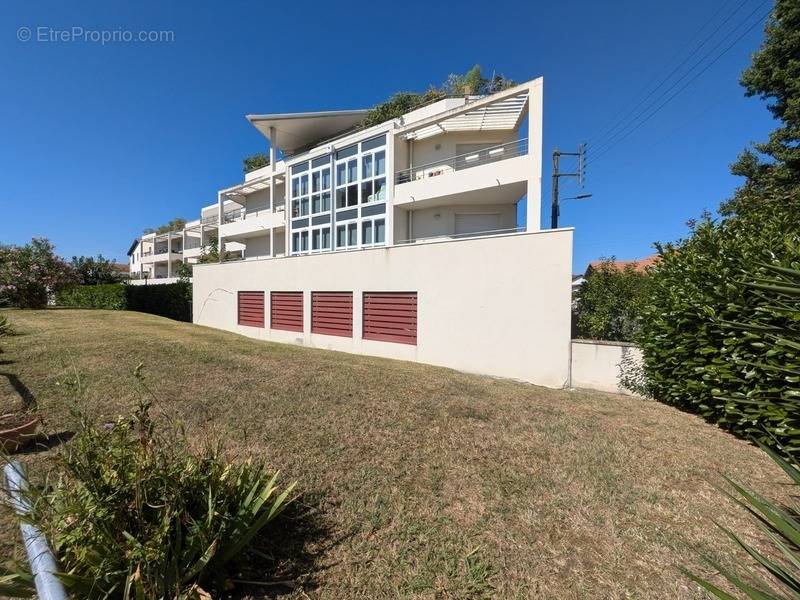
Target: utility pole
(555, 210)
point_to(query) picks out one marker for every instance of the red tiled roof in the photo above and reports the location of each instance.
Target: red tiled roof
(639, 264)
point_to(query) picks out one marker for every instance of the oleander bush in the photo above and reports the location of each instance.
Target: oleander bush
(131, 511)
(709, 326)
(111, 296)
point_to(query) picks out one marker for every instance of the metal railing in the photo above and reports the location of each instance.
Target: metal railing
(462, 236)
(233, 215)
(463, 161)
(212, 220)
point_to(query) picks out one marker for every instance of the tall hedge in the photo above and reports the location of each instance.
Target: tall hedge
(171, 300)
(109, 296)
(696, 353)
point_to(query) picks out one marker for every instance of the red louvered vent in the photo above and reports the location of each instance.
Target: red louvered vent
(390, 317)
(332, 313)
(286, 311)
(251, 309)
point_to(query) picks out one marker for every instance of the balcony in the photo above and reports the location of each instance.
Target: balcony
(493, 175)
(252, 220)
(161, 255)
(460, 162)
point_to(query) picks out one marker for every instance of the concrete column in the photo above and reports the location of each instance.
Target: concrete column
(534, 192)
(272, 242)
(220, 244)
(390, 169)
(169, 254)
(272, 152)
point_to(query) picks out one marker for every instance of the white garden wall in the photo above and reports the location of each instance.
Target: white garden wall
(595, 364)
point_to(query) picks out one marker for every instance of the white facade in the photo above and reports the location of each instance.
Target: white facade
(421, 209)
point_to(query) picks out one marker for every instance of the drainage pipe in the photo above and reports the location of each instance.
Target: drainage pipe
(43, 563)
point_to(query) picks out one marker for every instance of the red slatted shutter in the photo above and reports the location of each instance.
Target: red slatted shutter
(251, 309)
(286, 311)
(332, 313)
(390, 317)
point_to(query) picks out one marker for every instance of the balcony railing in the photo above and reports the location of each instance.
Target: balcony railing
(462, 236)
(463, 161)
(212, 220)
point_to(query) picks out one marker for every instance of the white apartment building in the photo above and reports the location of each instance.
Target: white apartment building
(399, 240)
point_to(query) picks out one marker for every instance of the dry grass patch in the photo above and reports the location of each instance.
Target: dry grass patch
(431, 483)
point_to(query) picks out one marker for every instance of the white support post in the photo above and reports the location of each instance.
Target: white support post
(220, 244)
(169, 254)
(534, 193)
(388, 219)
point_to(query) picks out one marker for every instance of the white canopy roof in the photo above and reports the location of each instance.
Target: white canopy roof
(294, 131)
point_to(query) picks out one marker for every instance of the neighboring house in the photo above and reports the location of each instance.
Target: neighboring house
(400, 240)
(640, 264)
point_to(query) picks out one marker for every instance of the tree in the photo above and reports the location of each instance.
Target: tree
(774, 75)
(256, 161)
(31, 274)
(609, 302)
(175, 224)
(95, 271)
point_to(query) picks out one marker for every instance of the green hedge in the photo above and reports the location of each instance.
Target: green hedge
(171, 300)
(109, 296)
(708, 335)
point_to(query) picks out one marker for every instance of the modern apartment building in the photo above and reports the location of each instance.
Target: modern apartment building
(401, 240)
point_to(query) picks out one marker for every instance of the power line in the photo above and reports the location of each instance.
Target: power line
(605, 146)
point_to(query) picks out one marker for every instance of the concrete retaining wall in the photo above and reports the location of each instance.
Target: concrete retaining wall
(595, 364)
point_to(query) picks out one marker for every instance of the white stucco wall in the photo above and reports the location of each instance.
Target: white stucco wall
(441, 220)
(494, 305)
(596, 364)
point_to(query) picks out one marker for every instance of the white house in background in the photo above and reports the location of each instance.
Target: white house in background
(400, 240)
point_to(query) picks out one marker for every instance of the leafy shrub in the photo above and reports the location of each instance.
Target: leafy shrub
(696, 356)
(30, 274)
(135, 513)
(171, 300)
(96, 271)
(256, 161)
(781, 537)
(609, 302)
(110, 296)
(5, 326)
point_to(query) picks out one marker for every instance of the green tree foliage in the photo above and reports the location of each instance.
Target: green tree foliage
(175, 224)
(472, 82)
(30, 274)
(774, 75)
(256, 161)
(95, 271)
(693, 358)
(609, 302)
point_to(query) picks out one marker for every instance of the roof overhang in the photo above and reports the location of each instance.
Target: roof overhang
(254, 185)
(133, 246)
(295, 131)
(502, 111)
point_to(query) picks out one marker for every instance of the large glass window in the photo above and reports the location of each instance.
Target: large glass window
(373, 177)
(373, 232)
(300, 202)
(321, 190)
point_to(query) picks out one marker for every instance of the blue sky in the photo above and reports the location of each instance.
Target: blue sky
(100, 141)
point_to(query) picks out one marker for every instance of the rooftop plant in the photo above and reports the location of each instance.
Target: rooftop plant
(175, 224)
(255, 161)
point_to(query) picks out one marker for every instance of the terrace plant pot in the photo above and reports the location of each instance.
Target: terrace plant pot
(16, 430)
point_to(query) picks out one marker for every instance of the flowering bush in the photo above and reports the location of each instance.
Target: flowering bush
(30, 274)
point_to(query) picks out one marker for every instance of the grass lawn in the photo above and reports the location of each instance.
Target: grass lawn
(423, 481)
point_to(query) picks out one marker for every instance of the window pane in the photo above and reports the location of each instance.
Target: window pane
(352, 171)
(341, 237)
(315, 239)
(366, 192)
(366, 232)
(380, 162)
(373, 143)
(316, 203)
(295, 208)
(295, 187)
(326, 201)
(295, 242)
(326, 238)
(380, 189)
(380, 231)
(341, 198)
(366, 166)
(303, 206)
(315, 181)
(352, 195)
(326, 178)
(303, 241)
(341, 171)
(303, 185)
